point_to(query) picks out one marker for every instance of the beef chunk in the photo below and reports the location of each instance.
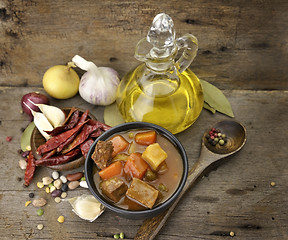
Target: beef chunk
(142, 192)
(114, 188)
(102, 153)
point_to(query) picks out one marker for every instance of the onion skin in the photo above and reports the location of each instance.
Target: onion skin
(36, 98)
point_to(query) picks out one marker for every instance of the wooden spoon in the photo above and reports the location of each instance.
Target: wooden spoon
(236, 138)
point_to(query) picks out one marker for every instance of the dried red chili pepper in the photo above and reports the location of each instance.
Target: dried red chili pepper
(30, 169)
(72, 110)
(58, 159)
(69, 125)
(85, 146)
(96, 134)
(81, 137)
(66, 143)
(55, 141)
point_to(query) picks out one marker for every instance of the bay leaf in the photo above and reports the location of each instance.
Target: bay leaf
(26, 136)
(206, 106)
(216, 99)
(112, 116)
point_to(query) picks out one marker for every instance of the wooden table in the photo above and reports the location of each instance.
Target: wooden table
(237, 197)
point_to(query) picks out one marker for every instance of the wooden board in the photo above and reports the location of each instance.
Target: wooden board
(242, 44)
(236, 197)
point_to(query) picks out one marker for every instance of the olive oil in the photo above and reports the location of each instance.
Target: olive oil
(162, 90)
(172, 104)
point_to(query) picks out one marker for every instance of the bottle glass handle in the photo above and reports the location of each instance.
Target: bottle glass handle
(190, 45)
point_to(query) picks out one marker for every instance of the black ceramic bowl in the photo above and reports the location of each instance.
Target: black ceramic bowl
(139, 214)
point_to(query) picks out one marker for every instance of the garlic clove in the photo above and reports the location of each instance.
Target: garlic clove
(54, 115)
(41, 122)
(86, 207)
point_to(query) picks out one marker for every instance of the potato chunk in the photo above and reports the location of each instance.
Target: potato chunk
(142, 192)
(154, 155)
(114, 188)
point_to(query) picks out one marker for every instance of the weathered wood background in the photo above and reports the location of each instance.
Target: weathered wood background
(243, 50)
(242, 44)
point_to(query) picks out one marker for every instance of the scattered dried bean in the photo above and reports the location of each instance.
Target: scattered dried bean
(40, 202)
(56, 193)
(57, 199)
(63, 179)
(47, 180)
(74, 176)
(22, 164)
(63, 194)
(31, 195)
(40, 226)
(74, 184)
(58, 183)
(60, 219)
(40, 185)
(64, 187)
(40, 212)
(55, 175)
(83, 184)
(27, 203)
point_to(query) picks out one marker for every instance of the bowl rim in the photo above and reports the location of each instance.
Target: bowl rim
(125, 127)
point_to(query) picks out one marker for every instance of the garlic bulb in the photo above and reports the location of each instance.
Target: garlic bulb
(98, 85)
(86, 207)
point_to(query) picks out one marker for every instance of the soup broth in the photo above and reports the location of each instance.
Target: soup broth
(169, 173)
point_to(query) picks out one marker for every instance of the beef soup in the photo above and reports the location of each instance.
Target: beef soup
(137, 169)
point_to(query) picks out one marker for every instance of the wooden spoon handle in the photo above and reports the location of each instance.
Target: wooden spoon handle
(152, 226)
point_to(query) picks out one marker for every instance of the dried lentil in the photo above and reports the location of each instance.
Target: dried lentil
(57, 199)
(273, 184)
(232, 234)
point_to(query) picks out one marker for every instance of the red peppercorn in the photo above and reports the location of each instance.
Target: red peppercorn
(8, 139)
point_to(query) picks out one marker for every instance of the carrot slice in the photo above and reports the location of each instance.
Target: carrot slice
(145, 138)
(119, 144)
(136, 165)
(112, 170)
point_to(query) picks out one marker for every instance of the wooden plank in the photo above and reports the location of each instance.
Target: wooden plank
(236, 197)
(242, 44)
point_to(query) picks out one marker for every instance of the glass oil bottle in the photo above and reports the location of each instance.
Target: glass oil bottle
(162, 90)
